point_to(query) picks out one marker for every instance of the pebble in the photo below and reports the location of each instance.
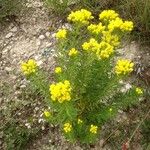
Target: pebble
(10, 34)
(40, 62)
(36, 108)
(49, 44)
(14, 29)
(22, 86)
(48, 34)
(19, 113)
(128, 86)
(43, 128)
(37, 57)
(53, 35)
(38, 42)
(41, 37)
(52, 50)
(5, 51)
(8, 69)
(40, 120)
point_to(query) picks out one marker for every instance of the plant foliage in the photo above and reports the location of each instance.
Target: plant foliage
(88, 89)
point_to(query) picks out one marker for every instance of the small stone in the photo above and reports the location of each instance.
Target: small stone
(41, 37)
(53, 35)
(52, 50)
(22, 86)
(19, 113)
(14, 29)
(26, 124)
(10, 34)
(49, 44)
(37, 57)
(29, 127)
(36, 108)
(43, 128)
(48, 34)
(41, 115)
(40, 62)
(8, 69)
(50, 141)
(120, 111)
(38, 42)
(40, 120)
(5, 51)
(128, 86)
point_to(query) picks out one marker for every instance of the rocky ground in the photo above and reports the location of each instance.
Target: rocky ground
(32, 36)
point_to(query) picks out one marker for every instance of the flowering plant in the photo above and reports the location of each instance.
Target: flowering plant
(86, 91)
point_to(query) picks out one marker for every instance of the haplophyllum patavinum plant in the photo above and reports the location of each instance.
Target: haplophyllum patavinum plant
(86, 91)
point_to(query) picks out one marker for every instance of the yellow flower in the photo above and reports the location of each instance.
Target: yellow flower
(61, 34)
(73, 52)
(139, 91)
(67, 127)
(29, 67)
(115, 24)
(92, 45)
(47, 114)
(119, 24)
(58, 70)
(60, 91)
(127, 26)
(105, 50)
(108, 15)
(81, 16)
(110, 38)
(80, 121)
(123, 67)
(96, 29)
(93, 129)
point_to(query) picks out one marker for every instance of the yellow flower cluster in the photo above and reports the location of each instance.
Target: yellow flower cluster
(92, 45)
(47, 113)
(127, 26)
(96, 29)
(61, 91)
(73, 52)
(105, 50)
(67, 127)
(108, 15)
(102, 50)
(58, 70)
(119, 24)
(115, 24)
(123, 67)
(110, 38)
(93, 129)
(81, 16)
(29, 67)
(139, 91)
(61, 34)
